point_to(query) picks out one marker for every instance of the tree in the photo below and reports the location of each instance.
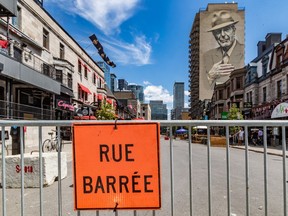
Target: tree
(106, 112)
(234, 114)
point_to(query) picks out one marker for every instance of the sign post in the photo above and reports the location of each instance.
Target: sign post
(116, 166)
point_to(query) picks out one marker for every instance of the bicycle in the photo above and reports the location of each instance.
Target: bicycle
(51, 143)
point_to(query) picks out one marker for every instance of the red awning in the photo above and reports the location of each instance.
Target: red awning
(100, 97)
(84, 88)
(85, 118)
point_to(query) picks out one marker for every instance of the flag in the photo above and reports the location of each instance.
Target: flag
(4, 44)
(100, 49)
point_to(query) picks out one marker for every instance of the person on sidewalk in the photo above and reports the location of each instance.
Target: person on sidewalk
(240, 134)
(260, 137)
(254, 138)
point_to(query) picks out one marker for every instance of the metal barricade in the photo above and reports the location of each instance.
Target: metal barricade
(172, 150)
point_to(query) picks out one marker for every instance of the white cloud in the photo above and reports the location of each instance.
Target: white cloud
(153, 92)
(136, 53)
(186, 93)
(106, 15)
(146, 83)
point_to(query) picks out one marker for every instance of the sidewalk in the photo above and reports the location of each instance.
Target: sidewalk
(277, 150)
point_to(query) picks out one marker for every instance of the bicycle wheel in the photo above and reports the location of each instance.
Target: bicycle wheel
(47, 145)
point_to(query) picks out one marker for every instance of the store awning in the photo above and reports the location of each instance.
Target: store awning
(85, 89)
(100, 97)
(280, 111)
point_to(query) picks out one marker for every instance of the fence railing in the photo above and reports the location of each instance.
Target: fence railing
(172, 171)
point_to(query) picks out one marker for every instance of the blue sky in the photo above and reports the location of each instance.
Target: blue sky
(148, 39)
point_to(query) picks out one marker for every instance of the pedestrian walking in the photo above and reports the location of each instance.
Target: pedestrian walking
(240, 134)
(260, 137)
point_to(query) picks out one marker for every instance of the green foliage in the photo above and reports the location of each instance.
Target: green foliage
(106, 112)
(234, 114)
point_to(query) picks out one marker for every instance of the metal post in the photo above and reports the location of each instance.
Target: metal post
(3, 172)
(171, 171)
(284, 171)
(22, 168)
(247, 172)
(265, 171)
(228, 170)
(40, 169)
(209, 171)
(190, 172)
(59, 173)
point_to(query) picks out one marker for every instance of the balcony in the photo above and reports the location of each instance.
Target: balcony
(31, 69)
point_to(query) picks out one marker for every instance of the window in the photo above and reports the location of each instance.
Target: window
(79, 67)
(228, 92)
(82, 95)
(16, 21)
(238, 82)
(86, 72)
(220, 94)
(69, 77)
(45, 39)
(264, 94)
(59, 76)
(62, 51)
(94, 78)
(264, 68)
(250, 96)
(279, 88)
(46, 69)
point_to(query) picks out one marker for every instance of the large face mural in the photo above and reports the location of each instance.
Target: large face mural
(221, 48)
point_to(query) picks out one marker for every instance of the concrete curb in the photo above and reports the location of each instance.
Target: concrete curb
(278, 153)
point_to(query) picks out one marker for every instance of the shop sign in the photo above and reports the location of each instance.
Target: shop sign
(248, 105)
(116, 166)
(224, 115)
(65, 105)
(280, 111)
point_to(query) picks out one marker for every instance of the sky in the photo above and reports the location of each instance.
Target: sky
(148, 40)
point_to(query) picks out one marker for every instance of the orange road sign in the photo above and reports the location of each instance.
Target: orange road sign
(116, 166)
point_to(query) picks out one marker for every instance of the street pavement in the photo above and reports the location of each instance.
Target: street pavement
(277, 150)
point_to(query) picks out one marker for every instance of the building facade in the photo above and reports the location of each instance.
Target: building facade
(138, 90)
(122, 84)
(158, 110)
(178, 100)
(208, 53)
(46, 73)
(106, 70)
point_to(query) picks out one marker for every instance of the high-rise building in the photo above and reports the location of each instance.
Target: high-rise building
(122, 84)
(158, 110)
(113, 80)
(216, 42)
(107, 75)
(138, 91)
(178, 100)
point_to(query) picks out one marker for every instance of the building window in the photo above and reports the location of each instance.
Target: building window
(228, 92)
(264, 69)
(45, 39)
(94, 78)
(46, 70)
(16, 21)
(69, 81)
(86, 72)
(279, 89)
(62, 51)
(79, 67)
(220, 94)
(59, 76)
(238, 83)
(264, 94)
(82, 95)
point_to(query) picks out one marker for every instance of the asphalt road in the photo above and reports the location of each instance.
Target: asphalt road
(181, 198)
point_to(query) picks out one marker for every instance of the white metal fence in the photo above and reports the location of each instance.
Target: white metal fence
(172, 169)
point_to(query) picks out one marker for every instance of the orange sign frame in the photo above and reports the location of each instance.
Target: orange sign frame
(116, 166)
